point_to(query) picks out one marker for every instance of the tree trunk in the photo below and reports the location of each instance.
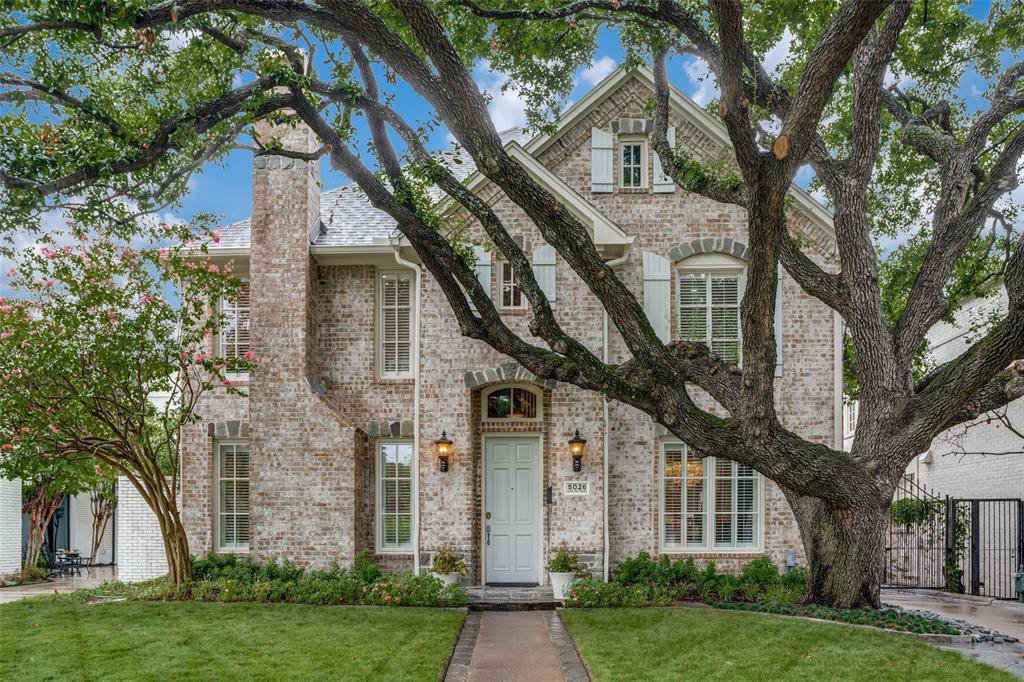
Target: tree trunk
(40, 508)
(103, 509)
(179, 562)
(845, 550)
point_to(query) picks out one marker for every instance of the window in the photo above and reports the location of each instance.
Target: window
(394, 497)
(233, 497)
(850, 417)
(709, 310)
(235, 334)
(633, 163)
(395, 327)
(511, 293)
(511, 402)
(707, 503)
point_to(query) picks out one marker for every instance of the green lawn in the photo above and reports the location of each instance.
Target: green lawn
(705, 644)
(57, 639)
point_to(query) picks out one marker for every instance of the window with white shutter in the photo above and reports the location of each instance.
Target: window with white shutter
(662, 182)
(509, 291)
(395, 298)
(394, 496)
(632, 162)
(707, 503)
(235, 331)
(232, 469)
(602, 179)
(709, 309)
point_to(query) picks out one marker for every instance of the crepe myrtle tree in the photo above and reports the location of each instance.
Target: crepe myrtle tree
(103, 505)
(97, 328)
(129, 98)
(46, 483)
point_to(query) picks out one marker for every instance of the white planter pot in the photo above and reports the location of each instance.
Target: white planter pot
(447, 578)
(559, 581)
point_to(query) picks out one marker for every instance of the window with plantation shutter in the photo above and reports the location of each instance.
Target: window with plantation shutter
(709, 310)
(233, 497)
(235, 332)
(707, 503)
(395, 294)
(394, 495)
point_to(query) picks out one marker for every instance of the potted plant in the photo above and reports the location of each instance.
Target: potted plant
(447, 566)
(563, 568)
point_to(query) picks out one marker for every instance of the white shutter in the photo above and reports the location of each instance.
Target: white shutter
(657, 294)
(778, 325)
(544, 270)
(396, 323)
(483, 271)
(662, 182)
(602, 179)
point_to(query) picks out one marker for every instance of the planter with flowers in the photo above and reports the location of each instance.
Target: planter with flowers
(447, 567)
(564, 568)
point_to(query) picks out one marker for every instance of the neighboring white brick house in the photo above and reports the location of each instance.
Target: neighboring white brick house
(362, 369)
(10, 525)
(139, 547)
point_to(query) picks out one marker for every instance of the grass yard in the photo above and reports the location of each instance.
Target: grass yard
(43, 639)
(705, 644)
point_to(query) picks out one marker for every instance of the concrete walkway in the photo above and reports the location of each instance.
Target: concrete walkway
(1005, 616)
(90, 577)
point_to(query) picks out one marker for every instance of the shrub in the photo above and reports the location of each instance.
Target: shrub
(750, 591)
(910, 512)
(588, 593)
(761, 572)
(365, 569)
(565, 561)
(780, 594)
(726, 586)
(640, 569)
(446, 561)
(32, 574)
(795, 578)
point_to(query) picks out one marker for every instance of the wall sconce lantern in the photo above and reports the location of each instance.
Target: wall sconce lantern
(576, 447)
(444, 448)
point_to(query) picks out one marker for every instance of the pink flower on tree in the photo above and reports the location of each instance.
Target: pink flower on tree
(227, 382)
(53, 428)
(13, 272)
(215, 237)
(147, 299)
(8, 446)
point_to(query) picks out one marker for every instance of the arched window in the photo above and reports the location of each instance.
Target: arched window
(511, 403)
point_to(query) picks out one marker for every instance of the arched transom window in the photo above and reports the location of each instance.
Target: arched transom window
(511, 403)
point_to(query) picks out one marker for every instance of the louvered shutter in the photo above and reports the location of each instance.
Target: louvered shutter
(662, 182)
(602, 179)
(544, 271)
(725, 316)
(396, 323)
(483, 271)
(235, 334)
(778, 325)
(233, 496)
(657, 294)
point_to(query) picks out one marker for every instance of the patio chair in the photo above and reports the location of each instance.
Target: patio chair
(57, 565)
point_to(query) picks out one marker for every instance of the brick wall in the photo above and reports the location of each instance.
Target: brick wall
(10, 525)
(140, 547)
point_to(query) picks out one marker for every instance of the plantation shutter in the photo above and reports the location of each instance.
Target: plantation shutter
(235, 334)
(233, 496)
(396, 323)
(657, 294)
(662, 182)
(483, 271)
(724, 316)
(601, 153)
(778, 325)
(544, 270)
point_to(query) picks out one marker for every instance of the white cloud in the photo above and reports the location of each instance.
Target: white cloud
(779, 52)
(598, 71)
(508, 106)
(702, 79)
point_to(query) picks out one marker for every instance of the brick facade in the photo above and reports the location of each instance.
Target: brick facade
(10, 523)
(139, 547)
(316, 409)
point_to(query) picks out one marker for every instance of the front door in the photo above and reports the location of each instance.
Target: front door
(512, 484)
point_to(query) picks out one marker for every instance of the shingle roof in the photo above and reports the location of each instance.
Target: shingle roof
(349, 219)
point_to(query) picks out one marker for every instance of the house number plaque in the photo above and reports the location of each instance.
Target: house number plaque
(576, 487)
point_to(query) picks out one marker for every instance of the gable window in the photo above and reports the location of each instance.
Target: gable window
(511, 402)
(511, 292)
(232, 467)
(707, 503)
(633, 163)
(394, 496)
(235, 332)
(395, 319)
(709, 307)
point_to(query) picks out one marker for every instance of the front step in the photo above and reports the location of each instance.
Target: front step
(502, 598)
(513, 605)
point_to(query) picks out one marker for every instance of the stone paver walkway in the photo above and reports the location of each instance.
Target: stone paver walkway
(516, 645)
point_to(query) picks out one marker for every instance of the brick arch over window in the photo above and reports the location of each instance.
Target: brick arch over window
(725, 245)
(507, 371)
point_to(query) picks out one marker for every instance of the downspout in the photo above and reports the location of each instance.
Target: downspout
(415, 408)
(604, 403)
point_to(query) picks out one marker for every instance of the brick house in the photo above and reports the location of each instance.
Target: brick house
(362, 370)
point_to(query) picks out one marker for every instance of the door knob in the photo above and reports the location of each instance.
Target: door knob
(488, 534)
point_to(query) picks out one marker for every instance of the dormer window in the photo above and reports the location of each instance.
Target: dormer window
(633, 162)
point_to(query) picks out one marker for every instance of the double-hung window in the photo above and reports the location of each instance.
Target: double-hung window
(510, 291)
(709, 309)
(633, 163)
(707, 503)
(394, 496)
(232, 467)
(395, 321)
(235, 332)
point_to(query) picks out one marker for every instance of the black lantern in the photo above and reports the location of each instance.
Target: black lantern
(444, 448)
(576, 447)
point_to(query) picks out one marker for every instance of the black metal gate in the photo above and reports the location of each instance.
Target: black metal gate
(915, 551)
(986, 542)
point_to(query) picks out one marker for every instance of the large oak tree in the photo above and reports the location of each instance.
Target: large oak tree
(129, 98)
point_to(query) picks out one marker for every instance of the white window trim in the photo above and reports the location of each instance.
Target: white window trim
(711, 264)
(709, 545)
(523, 303)
(851, 412)
(511, 420)
(216, 497)
(378, 521)
(219, 345)
(378, 325)
(644, 160)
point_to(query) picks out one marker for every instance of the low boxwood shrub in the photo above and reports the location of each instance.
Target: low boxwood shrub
(588, 594)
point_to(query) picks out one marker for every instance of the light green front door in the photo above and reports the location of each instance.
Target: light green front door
(512, 505)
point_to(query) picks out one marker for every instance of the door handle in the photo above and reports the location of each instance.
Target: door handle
(488, 534)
